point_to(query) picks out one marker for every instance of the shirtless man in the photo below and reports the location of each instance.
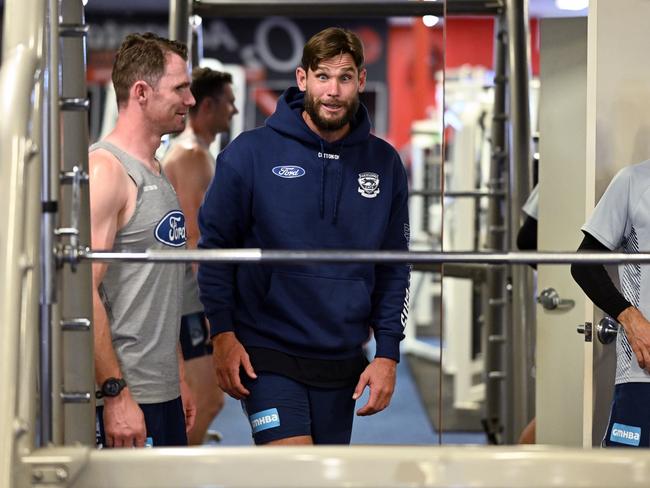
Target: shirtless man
(137, 306)
(190, 167)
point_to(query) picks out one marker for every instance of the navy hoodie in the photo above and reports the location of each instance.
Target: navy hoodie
(282, 187)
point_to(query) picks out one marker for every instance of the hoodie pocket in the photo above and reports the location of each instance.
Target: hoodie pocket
(320, 309)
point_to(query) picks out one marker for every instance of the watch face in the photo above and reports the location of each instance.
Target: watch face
(111, 388)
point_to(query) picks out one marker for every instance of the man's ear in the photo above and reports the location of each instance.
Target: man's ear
(362, 80)
(140, 91)
(208, 104)
(301, 78)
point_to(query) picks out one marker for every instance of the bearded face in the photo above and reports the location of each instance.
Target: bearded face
(331, 115)
(331, 94)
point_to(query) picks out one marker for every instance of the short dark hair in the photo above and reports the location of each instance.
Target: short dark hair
(207, 82)
(331, 42)
(142, 57)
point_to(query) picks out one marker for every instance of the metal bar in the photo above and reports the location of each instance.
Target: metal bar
(179, 24)
(458, 194)
(73, 30)
(341, 8)
(336, 467)
(496, 278)
(75, 104)
(233, 256)
(196, 46)
(76, 175)
(475, 272)
(522, 308)
(75, 397)
(19, 180)
(78, 324)
(50, 161)
(75, 364)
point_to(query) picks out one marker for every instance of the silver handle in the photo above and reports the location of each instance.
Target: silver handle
(550, 299)
(607, 329)
(586, 330)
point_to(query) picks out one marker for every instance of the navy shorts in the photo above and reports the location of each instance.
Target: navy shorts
(279, 407)
(195, 338)
(629, 420)
(165, 424)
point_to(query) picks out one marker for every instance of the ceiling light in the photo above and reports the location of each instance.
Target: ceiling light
(572, 4)
(430, 20)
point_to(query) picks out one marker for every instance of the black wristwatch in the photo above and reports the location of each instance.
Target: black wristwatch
(111, 388)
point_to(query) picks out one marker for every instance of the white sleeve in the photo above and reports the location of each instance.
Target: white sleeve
(610, 220)
(531, 207)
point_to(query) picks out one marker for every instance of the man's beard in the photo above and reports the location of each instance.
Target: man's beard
(312, 107)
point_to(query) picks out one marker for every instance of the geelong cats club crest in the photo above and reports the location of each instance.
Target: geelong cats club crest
(368, 185)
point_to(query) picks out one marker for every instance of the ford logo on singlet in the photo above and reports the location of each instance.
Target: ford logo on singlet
(288, 171)
(171, 229)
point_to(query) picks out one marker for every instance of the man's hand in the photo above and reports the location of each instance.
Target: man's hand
(189, 405)
(380, 377)
(637, 330)
(228, 356)
(123, 421)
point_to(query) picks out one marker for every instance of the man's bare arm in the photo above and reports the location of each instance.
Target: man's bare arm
(189, 403)
(109, 198)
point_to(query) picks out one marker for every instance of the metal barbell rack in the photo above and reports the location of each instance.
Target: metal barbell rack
(267, 256)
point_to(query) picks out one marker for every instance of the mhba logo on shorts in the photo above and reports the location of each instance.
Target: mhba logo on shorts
(171, 229)
(266, 419)
(625, 434)
(288, 171)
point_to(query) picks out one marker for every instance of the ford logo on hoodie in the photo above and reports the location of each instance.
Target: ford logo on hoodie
(288, 171)
(171, 229)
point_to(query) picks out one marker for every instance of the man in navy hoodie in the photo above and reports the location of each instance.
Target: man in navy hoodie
(288, 339)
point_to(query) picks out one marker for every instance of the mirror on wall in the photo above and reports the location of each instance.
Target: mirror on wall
(473, 221)
(483, 387)
(416, 114)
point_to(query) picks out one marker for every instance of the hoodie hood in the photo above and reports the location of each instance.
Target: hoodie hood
(288, 120)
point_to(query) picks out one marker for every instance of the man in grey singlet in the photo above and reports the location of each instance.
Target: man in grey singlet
(137, 306)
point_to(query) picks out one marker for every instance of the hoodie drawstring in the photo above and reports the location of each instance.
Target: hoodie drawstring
(337, 187)
(322, 182)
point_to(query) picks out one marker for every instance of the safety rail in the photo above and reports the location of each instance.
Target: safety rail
(19, 255)
(337, 467)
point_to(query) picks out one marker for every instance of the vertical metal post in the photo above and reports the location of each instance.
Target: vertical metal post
(21, 89)
(49, 166)
(196, 47)
(494, 333)
(76, 361)
(521, 304)
(179, 25)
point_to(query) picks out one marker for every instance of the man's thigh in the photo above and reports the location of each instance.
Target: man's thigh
(277, 408)
(165, 423)
(332, 413)
(629, 421)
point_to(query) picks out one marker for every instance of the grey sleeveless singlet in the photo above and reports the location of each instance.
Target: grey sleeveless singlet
(144, 300)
